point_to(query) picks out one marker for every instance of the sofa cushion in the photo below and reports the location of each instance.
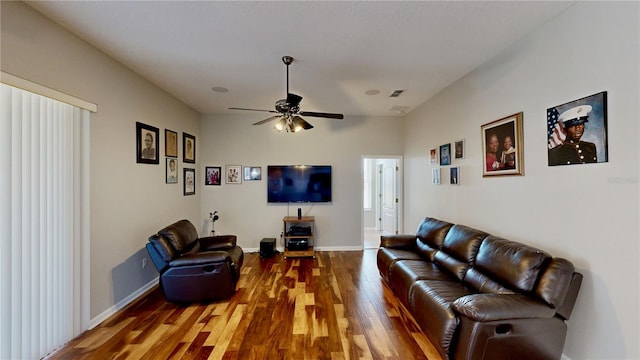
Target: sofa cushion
(387, 257)
(512, 264)
(182, 235)
(432, 232)
(483, 284)
(430, 302)
(459, 249)
(404, 273)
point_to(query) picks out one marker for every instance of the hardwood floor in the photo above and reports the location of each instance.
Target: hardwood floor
(332, 307)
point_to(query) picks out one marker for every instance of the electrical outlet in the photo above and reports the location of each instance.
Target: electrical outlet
(144, 262)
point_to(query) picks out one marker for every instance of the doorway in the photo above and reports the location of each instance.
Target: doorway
(382, 198)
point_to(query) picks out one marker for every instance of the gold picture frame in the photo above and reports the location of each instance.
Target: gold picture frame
(503, 147)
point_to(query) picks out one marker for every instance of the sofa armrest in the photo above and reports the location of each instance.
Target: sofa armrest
(398, 241)
(491, 307)
(219, 242)
(201, 258)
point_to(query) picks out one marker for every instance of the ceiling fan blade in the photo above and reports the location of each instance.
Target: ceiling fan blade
(235, 108)
(267, 120)
(324, 115)
(298, 121)
(293, 100)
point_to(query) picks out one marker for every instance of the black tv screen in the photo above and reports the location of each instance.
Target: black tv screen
(298, 183)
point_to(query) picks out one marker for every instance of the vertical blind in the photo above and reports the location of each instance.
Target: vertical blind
(43, 222)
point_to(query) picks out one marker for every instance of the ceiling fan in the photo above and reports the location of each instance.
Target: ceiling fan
(288, 110)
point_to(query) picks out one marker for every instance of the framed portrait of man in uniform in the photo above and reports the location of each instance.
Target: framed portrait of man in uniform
(577, 131)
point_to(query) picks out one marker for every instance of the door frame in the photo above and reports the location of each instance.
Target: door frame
(399, 191)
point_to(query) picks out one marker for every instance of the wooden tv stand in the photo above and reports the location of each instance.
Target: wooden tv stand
(289, 221)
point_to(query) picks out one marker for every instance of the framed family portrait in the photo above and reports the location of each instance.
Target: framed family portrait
(433, 157)
(147, 144)
(577, 131)
(445, 154)
(171, 175)
(189, 181)
(252, 173)
(234, 174)
(189, 148)
(502, 147)
(213, 175)
(170, 143)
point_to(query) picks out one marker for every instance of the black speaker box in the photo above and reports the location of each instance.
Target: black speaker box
(267, 247)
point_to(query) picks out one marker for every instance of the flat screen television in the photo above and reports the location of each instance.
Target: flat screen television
(298, 183)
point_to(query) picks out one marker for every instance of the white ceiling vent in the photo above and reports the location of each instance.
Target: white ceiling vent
(399, 110)
(396, 93)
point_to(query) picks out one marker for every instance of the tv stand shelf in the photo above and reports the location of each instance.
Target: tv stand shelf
(291, 237)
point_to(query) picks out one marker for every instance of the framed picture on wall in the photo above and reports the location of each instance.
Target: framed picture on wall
(577, 131)
(502, 147)
(171, 171)
(445, 154)
(433, 157)
(147, 144)
(189, 181)
(454, 175)
(213, 175)
(170, 143)
(189, 148)
(234, 174)
(458, 149)
(435, 176)
(252, 173)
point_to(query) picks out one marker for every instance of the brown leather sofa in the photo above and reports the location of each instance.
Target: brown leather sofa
(192, 268)
(478, 296)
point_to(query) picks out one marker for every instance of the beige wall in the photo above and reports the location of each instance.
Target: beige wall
(243, 207)
(129, 201)
(586, 213)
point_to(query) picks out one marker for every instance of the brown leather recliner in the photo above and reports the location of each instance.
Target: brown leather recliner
(192, 268)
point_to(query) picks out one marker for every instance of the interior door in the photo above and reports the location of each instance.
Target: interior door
(389, 197)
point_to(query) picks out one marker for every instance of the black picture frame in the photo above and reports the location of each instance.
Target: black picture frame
(189, 176)
(458, 149)
(213, 175)
(188, 148)
(147, 144)
(577, 131)
(445, 154)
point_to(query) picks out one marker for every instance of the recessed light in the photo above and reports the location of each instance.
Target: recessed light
(372, 92)
(220, 89)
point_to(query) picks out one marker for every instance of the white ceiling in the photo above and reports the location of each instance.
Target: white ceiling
(341, 49)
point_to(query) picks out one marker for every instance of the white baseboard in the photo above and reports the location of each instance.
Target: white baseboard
(121, 304)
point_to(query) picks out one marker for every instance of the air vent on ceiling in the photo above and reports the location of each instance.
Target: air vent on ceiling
(396, 93)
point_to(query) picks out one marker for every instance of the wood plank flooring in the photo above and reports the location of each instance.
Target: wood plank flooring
(332, 307)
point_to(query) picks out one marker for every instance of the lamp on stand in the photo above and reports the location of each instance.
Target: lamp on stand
(214, 216)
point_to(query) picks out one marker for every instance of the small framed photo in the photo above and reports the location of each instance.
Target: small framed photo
(147, 144)
(170, 143)
(435, 176)
(171, 171)
(189, 148)
(458, 149)
(433, 157)
(234, 175)
(502, 147)
(213, 175)
(252, 173)
(454, 175)
(445, 154)
(577, 131)
(189, 181)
